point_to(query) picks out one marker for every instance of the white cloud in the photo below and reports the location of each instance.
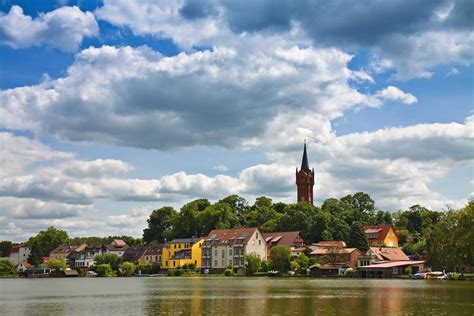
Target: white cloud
(394, 94)
(63, 28)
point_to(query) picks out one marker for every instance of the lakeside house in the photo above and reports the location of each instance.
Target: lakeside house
(153, 255)
(227, 247)
(63, 251)
(382, 235)
(23, 266)
(292, 240)
(84, 258)
(337, 256)
(180, 252)
(133, 254)
(117, 247)
(19, 253)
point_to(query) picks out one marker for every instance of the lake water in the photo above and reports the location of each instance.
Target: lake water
(234, 296)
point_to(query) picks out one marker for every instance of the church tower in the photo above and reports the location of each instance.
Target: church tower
(305, 180)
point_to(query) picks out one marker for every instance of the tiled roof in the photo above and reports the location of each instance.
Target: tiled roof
(112, 247)
(391, 254)
(330, 243)
(152, 251)
(185, 240)
(119, 242)
(381, 231)
(133, 253)
(16, 248)
(283, 238)
(65, 248)
(325, 251)
(26, 264)
(226, 235)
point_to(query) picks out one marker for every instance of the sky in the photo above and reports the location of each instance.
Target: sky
(110, 109)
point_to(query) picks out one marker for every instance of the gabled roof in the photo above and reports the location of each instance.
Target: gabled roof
(381, 231)
(16, 248)
(153, 251)
(224, 235)
(191, 241)
(325, 251)
(119, 243)
(390, 254)
(283, 238)
(25, 264)
(392, 264)
(133, 253)
(111, 247)
(65, 248)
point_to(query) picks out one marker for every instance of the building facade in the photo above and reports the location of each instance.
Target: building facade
(292, 240)
(382, 235)
(227, 248)
(19, 253)
(305, 180)
(179, 252)
(62, 252)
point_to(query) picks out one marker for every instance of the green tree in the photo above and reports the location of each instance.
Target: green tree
(238, 204)
(128, 269)
(160, 225)
(5, 248)
(358, 207)
(57, 264)
(7, 268)
(280, 258)
(357, 238)
(109, 258)
(217, 216)
(252, 263)
(185, 223)
(45, 241)
(104, 270)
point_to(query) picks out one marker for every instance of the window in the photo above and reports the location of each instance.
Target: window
(174, 263)
(256, 235)
(223, 263)
(253, 242)
(223, 253)
(230, 262)
(215, 252)
(230, 252)
(259, 242)
(215, 263)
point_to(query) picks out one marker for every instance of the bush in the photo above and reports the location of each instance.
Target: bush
(57, 264)
(408, 270)
(109, 258)
(104, 270)
(7, 267)
(128, 269)
(229, 272)
(280, 258)
(253, 263)
(175, 272)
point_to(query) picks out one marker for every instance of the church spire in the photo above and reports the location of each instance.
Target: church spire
(304, 162)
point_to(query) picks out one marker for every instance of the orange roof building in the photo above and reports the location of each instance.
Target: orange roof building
(382, 235)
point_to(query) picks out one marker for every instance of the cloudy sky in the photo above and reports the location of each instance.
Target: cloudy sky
(109, 109)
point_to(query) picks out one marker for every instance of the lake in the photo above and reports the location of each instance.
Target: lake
(234, 296)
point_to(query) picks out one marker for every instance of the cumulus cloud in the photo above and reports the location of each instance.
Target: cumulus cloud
(63, 28)
(134, 96)
(395, 94)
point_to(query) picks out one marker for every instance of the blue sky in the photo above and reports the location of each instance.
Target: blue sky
(110, 109)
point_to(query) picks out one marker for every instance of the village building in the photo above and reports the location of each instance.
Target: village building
(84, 258)
(227, 247)
(337, 256)
(378, 255)
(328, 244)
(292, 240)
(390, 269)
(23, 266)
(19, 253)
(152, 255)
(382, 235)
(117, 246)
(180, 252)
(62, 252)
(133, 254)
(305, 180)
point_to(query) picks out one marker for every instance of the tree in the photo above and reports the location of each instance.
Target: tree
(280, 258)
(109, 258)
(185, 223)
(7, 267)
(160, 225)
(5, 248)
(45, 241)
(252, 263)
(104, 270)
(238, 204)
(357, 238)
(128, 269)
(217, 216)
(57, 264)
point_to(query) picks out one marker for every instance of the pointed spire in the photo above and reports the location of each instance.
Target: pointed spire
(304, 162)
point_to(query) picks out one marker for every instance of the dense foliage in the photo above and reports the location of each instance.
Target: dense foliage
(109, 258)
(252, 263)
(131, 241)
(5, 247)
(357, 237)
(45, 241)
(7, 268)
(281, 256)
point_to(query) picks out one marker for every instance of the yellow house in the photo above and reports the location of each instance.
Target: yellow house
(63, 251)
(151, 255)
(382, 235)
(179, 252)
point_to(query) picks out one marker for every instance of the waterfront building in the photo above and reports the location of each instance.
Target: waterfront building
(19, 253)
(117, 246)
(133, 254)
(337, 256)
(390, 269)
(152, 255)
(292, 240)
(22, 266)
(227, 248)
(84, 258)
(305, 180)
(379, 255)
(183, 251)
(382, 235)
(62, 252)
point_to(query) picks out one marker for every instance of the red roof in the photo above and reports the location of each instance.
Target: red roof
(283, 238)
(16, 248)
(391, 254)
(380, 231)
(223, 235)
(26, 264)
(330, 243)
(325, 251)
(119, 242)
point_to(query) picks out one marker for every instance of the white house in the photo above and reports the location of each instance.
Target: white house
(19, 253)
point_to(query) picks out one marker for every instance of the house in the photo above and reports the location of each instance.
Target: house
(180, 252)
(62, 252)
(328, 244)
(378, 255)
(324, 270)
(84, 258)
(19, 253)
(382, 235)
(292, 240)
(133, 254)
(227, 247)
(390, 269)
(22, 266)
(117, 246)
(345, 257)
(153, 255)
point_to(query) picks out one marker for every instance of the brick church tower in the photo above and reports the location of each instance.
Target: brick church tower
(305, 180)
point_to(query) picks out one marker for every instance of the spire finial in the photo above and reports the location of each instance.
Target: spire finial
(304, 162)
